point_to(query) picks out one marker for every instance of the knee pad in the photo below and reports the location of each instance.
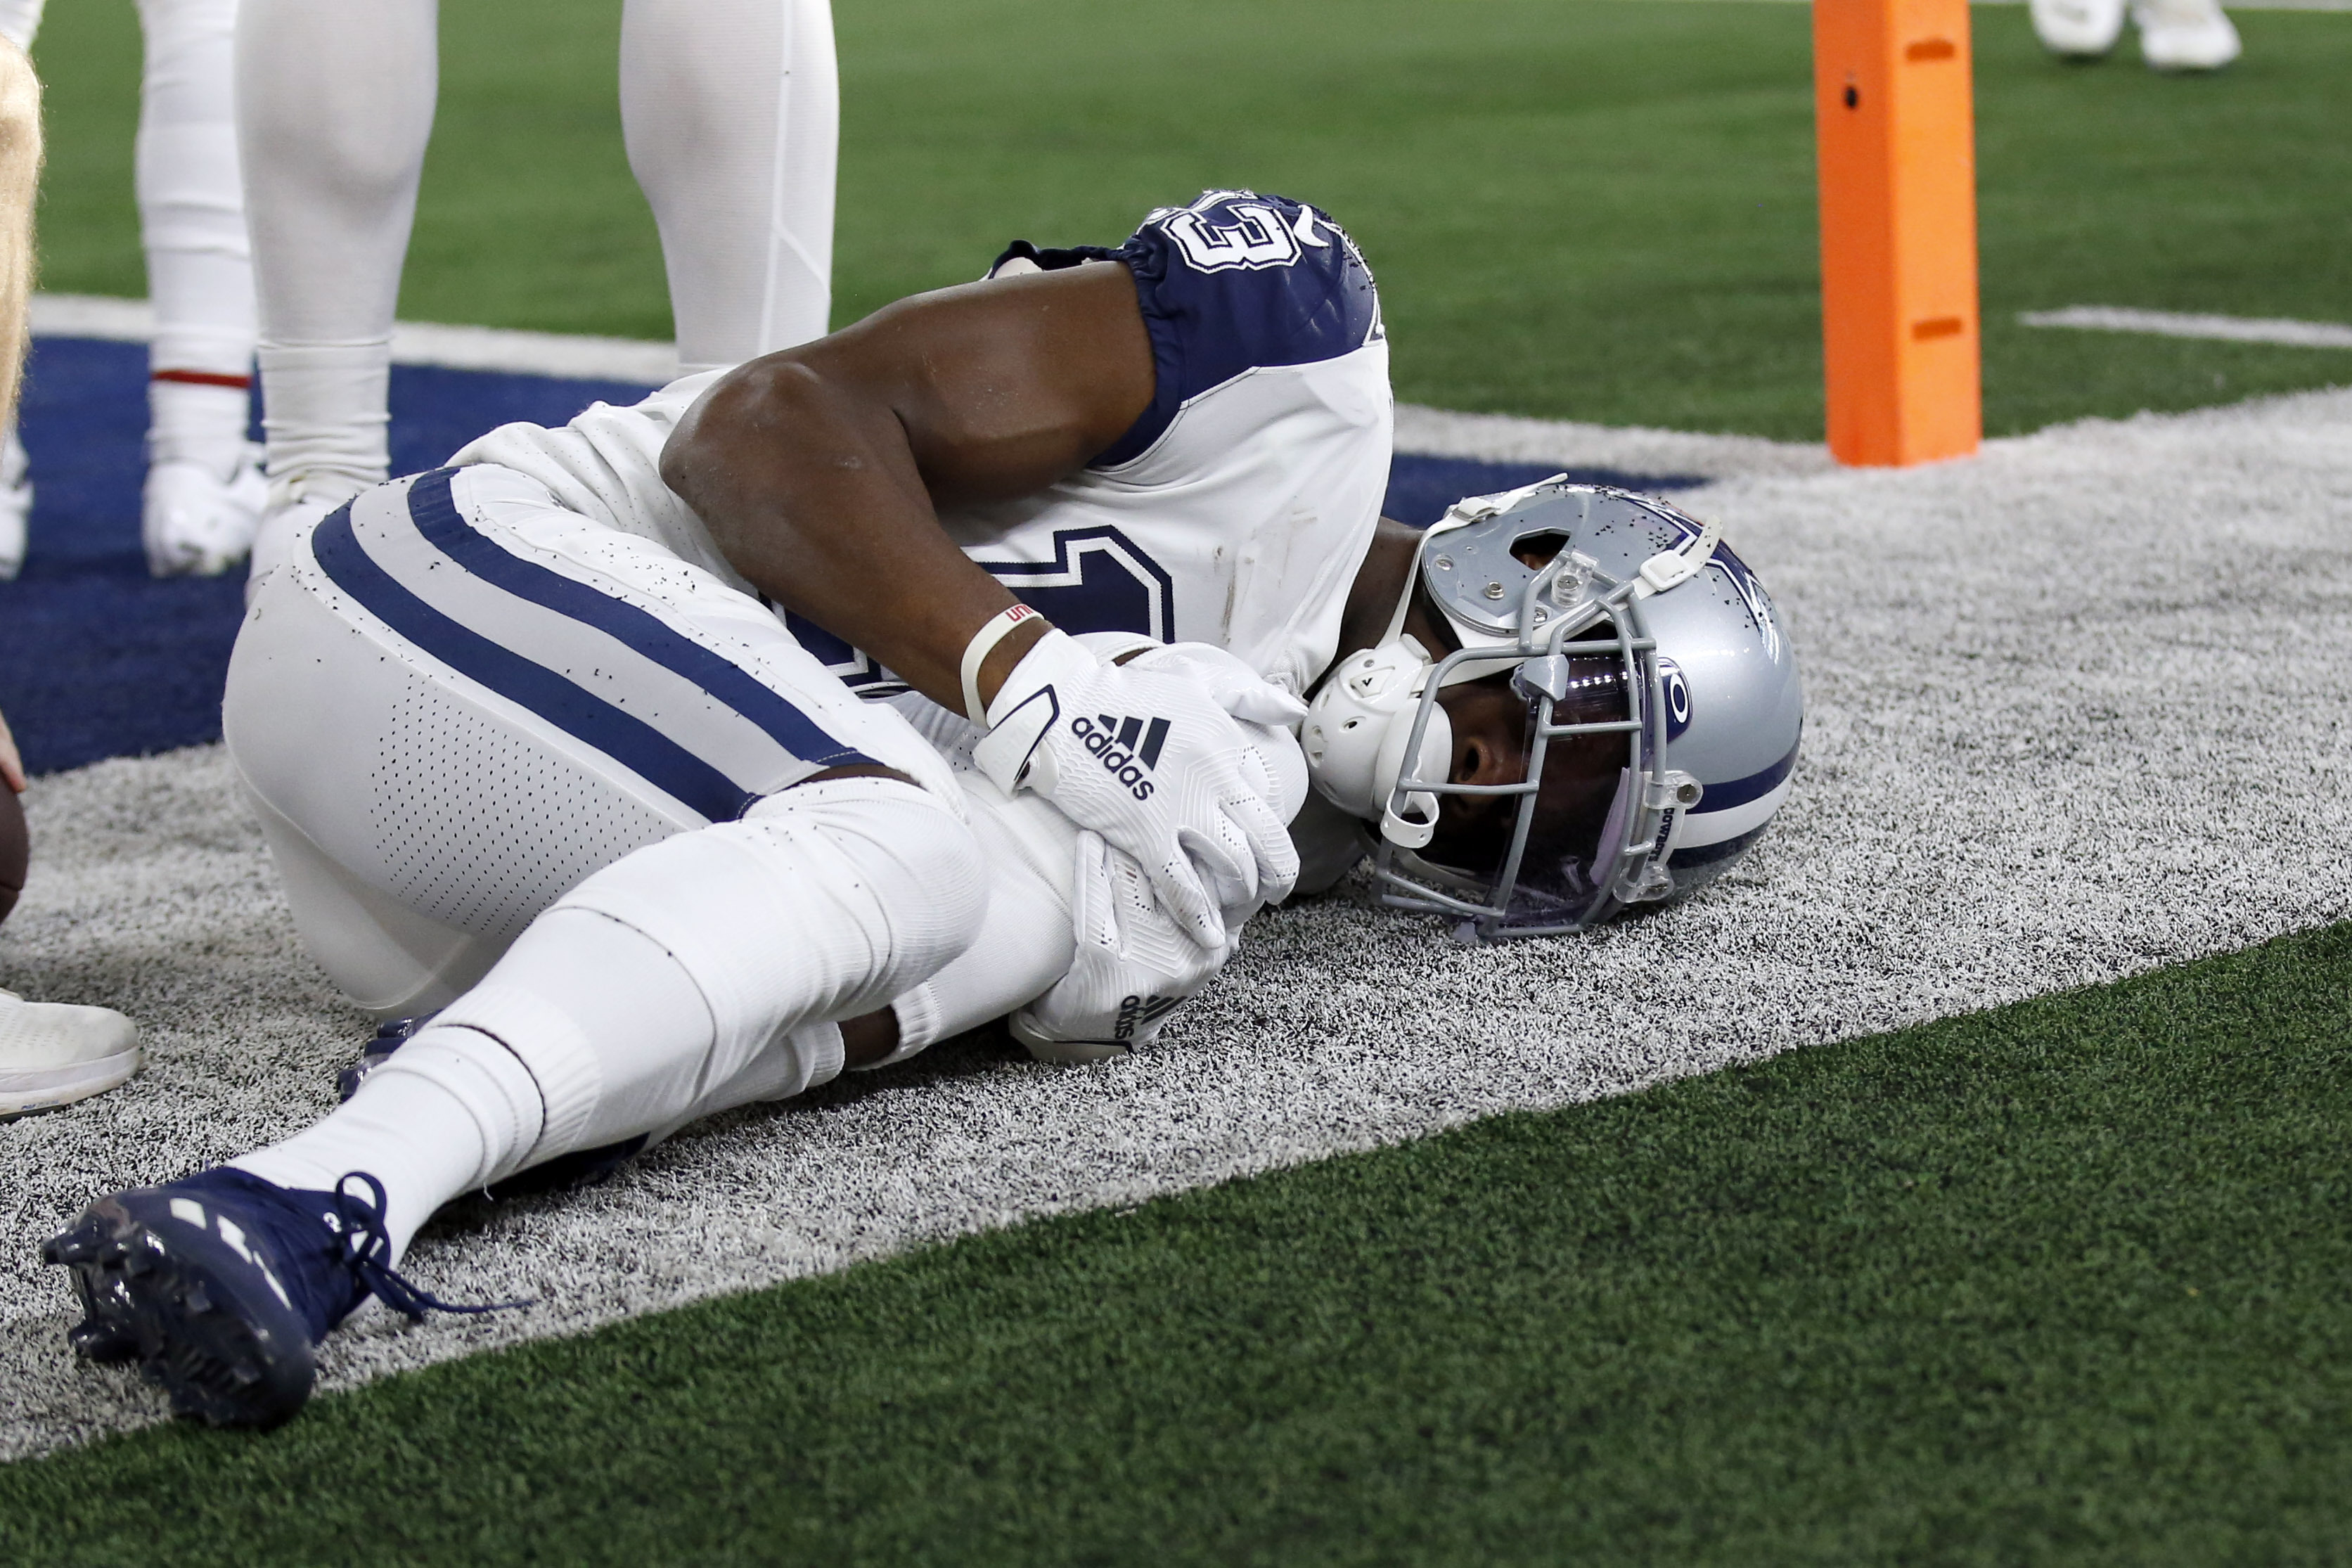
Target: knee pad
(825, 902)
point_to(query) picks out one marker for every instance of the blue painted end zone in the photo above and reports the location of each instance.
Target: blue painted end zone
(98, 661)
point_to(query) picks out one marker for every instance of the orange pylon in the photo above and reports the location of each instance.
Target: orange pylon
(1897, 145)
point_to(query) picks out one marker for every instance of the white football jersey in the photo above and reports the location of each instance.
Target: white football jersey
(1237, 510)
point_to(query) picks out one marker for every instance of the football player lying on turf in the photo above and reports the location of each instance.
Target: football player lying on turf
(536, 756)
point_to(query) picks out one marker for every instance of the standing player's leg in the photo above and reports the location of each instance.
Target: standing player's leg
(203, 494)
(479, 705)
(334, 108)
(20, 167)
(732, 109)
(204, 490)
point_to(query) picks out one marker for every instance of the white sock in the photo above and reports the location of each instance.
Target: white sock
(194, 422)
(451, 1111)
(577, 995)
(732, 111)
(326, 415)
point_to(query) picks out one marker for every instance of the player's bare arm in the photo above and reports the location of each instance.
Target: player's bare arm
(818, 469)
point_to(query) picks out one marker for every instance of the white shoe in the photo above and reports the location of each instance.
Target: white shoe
(294, 507)
(15, 505)
(2078, 29)
(195, 523)
(2185, 34)
(53, 1054)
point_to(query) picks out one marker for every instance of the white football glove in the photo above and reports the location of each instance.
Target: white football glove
(1132, 966)
(1151, 755)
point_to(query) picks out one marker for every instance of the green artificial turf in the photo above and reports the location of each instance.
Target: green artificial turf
(1578, 208)
(2061, 1282)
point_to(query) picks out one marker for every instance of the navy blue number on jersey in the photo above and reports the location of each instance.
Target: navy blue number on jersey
(1097, 582)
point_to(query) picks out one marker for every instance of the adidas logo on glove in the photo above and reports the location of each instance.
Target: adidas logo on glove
(1135, 1012)
(1126, 748)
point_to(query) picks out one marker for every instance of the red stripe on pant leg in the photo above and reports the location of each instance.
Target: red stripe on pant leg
(203, 378)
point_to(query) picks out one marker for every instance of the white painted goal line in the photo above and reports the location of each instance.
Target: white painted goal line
(562, 354)
(1428, 432)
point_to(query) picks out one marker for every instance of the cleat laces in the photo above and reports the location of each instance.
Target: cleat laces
(363, 1243)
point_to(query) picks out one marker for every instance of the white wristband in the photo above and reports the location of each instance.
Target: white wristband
(975, 653)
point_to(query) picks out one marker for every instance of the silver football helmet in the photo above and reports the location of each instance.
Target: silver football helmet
(1663, 713)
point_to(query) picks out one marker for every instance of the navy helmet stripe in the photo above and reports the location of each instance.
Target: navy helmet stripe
(436, 515)
(627, 740)
(1739, 792)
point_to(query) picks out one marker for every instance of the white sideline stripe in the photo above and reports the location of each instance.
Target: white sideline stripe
(1630, 448)
(2186, 324)
(413, 342)
(2234, 6)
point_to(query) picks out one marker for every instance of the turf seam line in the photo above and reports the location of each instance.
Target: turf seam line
(2194, 324)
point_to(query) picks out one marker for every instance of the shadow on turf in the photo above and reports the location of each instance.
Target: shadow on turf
(970, 1055)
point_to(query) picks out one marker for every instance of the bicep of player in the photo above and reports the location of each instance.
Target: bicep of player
(985, 391)
(817, 470)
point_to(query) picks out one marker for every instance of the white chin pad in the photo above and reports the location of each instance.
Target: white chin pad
(1436, 762)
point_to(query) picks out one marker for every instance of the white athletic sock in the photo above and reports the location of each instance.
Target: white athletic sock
(326, 420)
(194, 422)
(451, 1111)
(732, 111)
(579, 991)
(809, 1056)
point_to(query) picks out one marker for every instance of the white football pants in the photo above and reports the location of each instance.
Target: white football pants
(540, 775)
(730, 112)
(191, 222)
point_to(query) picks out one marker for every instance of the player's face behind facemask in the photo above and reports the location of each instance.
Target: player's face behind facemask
(1494, 735)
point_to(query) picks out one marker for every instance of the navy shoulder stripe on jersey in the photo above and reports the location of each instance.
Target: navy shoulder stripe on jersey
(1233, 282)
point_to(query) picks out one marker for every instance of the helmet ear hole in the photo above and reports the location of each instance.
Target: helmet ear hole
(1537, 551)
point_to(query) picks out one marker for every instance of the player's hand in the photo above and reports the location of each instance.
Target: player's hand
(1132, 966)
(1150, 754)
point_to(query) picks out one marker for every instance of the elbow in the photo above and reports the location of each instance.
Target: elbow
(728, 446)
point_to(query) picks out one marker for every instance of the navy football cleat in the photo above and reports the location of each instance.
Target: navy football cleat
(220, 1284)
(390, 1035)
